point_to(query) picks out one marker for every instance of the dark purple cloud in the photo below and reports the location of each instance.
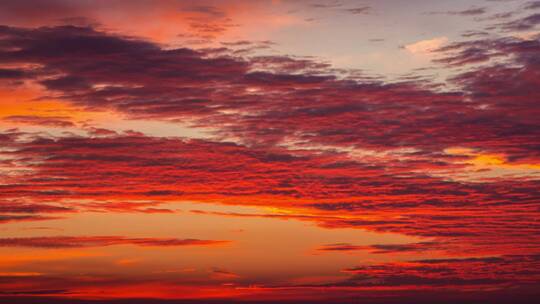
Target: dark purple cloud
(524, 24)
(361, 10)
(247, 98)
(532, 5)
(473, 11)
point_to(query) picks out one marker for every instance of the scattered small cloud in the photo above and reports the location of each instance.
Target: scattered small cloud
(473, 11)
(363, 10)
(426, 46)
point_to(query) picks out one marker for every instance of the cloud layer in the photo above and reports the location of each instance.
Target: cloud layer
(454, 165)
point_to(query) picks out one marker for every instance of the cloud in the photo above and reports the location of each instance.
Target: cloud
(19, 207)
(290, 133)
(527, 23)
(471, 272)
(211, 11)
(123, 206)
(532, 5)
(101, 241)
(11, 74)
(222, 274)
(473, 11)
(7, 218)
(181, 85)
(332, 4)
(426, 46)
(362, 10)
(464, 53)
(386, 248)
(136, 173)
(47, 121)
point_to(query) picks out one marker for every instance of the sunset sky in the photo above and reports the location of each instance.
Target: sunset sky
(269, 151)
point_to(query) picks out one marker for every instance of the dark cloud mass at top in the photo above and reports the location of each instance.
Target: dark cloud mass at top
(302, 101)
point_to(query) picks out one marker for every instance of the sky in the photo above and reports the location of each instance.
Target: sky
(269, 151)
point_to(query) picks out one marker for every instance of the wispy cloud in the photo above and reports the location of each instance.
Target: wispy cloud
(100, 241)
(426, 46)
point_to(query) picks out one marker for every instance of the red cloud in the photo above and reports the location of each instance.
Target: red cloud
(387, 248)
(329, 189)
(478, 273)
(20, 207)
(6, 218)
(100, 241)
